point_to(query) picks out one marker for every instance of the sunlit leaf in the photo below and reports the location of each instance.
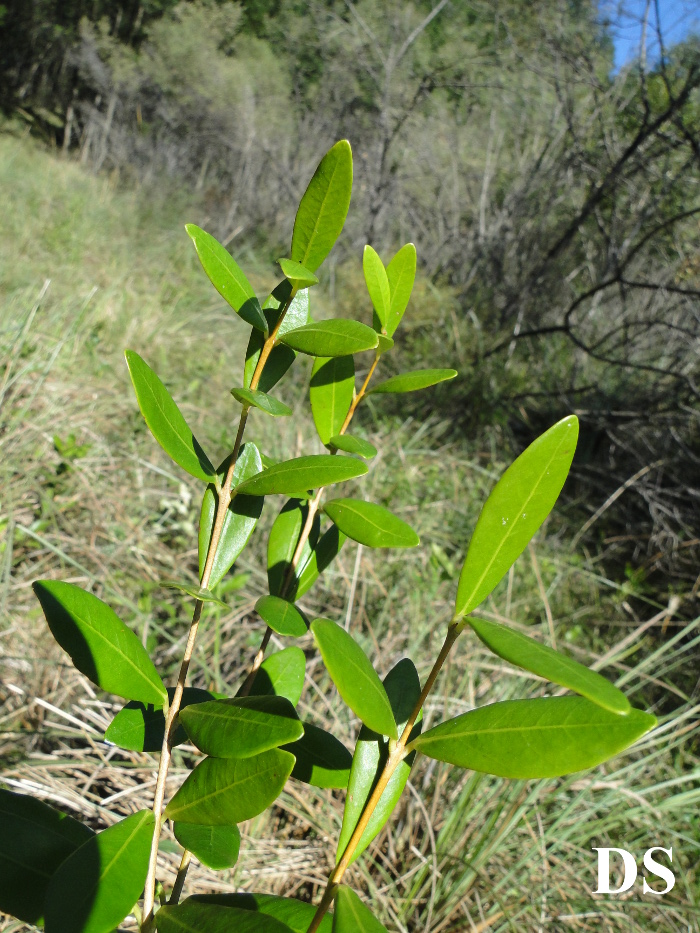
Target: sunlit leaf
(323, 207)
(96, 887)
(352, 673)
(378, 286)
(384, 343)
(371, 752)
(336, 337)
(351, 915)
(519, 503)
(35, 840)
(540, 738)
(283, 617)
(266, 403)
(165, 419)
(281, 357)
(411, 382)
(281, 674)
(401, 272)
(141, 728)
(298, 275)
(321, 760)
(331, 392)
(296, 314)
(193, 916)
(241, 517)
(282, 543)
(529, 654)
(222, 791)
(227, 277)
(214, 846)
(296, 477)
(353, 445)
(242, 727)
(370, 524)
(98, 642)
(296, 914)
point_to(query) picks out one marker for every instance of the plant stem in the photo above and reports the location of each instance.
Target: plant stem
(396, 755)
(181, 876)
(223, 502)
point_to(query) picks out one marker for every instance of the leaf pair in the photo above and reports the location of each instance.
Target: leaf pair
(389, 289)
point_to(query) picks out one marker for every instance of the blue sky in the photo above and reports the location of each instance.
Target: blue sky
(678, 18)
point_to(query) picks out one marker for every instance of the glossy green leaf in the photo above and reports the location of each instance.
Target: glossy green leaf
(241, 518)
(261, 400)
(351, 915)
(529, 654)
(165, 419)
(214, 846)
(296, 477)
(283, 617)
(401, 272)
(141, 728)
(384, 343)
(281, 674)
(242, 727)
(331, 392)
(323, 207)
(296, 914)
(403, 689)
(96, 887)
(282, 543)
(298, 312)
(196, 592)
(541, 738)
(321, 760)
(98, 642)
(352, 673)
(336, 337)
(378, 287)
(353, 445)
(519, 503)
(227, 277)
(322, 555)
(281, 357)
(298, 275)
(370, 524)
(411, 382)
(34, 840)
(223, 791)
(193, 916)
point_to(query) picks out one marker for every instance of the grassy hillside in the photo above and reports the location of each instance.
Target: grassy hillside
(86, 495)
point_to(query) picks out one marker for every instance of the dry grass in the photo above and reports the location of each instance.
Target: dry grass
(465, 852)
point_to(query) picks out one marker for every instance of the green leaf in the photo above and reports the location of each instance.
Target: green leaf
(519, 503)
(323, 207)
(34, 840)
(222, 791)
(96, 887)
(196, 592)
(266, 403)
(243, 727)
(281, 674)
(541, 738)
(384, 343)
(371, 752)
(283, 617)
(331, 391)
(98, 642)
(353, 445)
(297, 313)
(545, 662)
(241, 518)
(193, 916)
(322, 555)
(321, 760)
(401, 272)
(336, 337)
(370, 524)
(298, 275)
(214, 846)
(296, 477)
(351, 915)
(282, 543)
(352, 673)
(411, 382)
(227, 277)
(276, 365)
(141, 728)
(165, 419)
(377, 286)
(296, 914)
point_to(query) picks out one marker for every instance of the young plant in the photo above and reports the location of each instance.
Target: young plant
(62, 874)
